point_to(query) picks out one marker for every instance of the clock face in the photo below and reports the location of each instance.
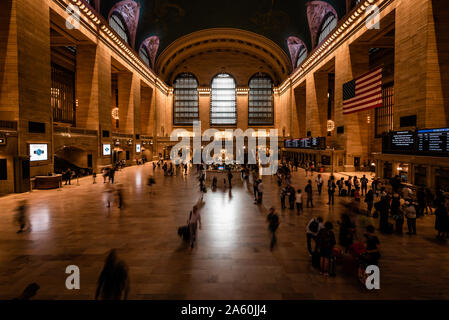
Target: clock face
(330, 125)
(115, 113)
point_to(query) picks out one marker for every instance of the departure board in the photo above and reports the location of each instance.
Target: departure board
(402, 141)
(433, 141)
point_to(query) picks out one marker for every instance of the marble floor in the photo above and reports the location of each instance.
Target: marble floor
(232, 260)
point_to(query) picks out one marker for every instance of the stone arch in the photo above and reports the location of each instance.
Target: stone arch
(129, 10)
(317, 11)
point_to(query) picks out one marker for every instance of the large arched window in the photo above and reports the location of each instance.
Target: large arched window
(260, 107)
(144, 55)
(302, 55)
(328, 25)
(119, 26)
(185, 105)
(223, 110)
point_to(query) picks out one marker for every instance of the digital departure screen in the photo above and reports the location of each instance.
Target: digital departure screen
(403, 141)
(433, 141)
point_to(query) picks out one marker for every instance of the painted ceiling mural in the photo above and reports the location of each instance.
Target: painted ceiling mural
(168, 20)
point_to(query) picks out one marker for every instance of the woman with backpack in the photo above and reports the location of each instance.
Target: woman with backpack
(325, 241)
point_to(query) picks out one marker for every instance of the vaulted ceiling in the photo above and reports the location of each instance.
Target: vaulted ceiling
(165, 21)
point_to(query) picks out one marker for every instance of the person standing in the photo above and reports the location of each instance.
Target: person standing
(312, 229)
(113, 283)
(283, 194)
(319, 183)
(273, 224)
(255, 186)
(383, 206)
(298, 200)
(410, 214)
(369, 200)
(291, 197)
(349, 185)
(340, 184)
(309, 191)
(364, 183)
(94, 177)
(325, 243)
(193, 222)
(331, 190)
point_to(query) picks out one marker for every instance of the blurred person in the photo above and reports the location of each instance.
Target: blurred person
(21, 216)
(325, 241)
(273, 224)
(298, 200)
(113, 283)
(312, 229)
(309, 191)
(193, 222)
(319, 183)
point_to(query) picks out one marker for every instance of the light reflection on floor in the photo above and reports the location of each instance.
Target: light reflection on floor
(231, 261)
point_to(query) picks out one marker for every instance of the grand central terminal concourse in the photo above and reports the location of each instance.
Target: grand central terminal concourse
(228, 150)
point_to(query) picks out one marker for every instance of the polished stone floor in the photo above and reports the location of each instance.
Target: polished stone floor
(232, 260)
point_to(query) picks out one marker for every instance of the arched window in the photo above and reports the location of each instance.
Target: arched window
(119, 26)
(260, 107)
(328, 25)
(302, 55)
(185, 105)
(144, 55)
(223, 109)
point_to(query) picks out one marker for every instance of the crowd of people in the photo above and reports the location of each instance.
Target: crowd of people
(363, 201)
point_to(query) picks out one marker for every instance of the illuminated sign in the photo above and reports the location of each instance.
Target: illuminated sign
(106, 149)
(38, 152)
(138, 148)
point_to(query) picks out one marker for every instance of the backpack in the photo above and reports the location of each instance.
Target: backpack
(324, 239)
(314, 225)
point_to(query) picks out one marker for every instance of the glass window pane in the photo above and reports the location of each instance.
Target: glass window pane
(185, 109)
(223, 101)
(260, 106)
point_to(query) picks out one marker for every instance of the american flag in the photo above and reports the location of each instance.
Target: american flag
(363, 93)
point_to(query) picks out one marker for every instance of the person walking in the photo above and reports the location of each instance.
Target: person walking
(298, 200)
(319, 183)
(273, 224)
(410, 214)
(325, 241)
(331, 190)
(309, 191)
(230, 179)
(113, 283)
(260, 191)
(21, 216)
(312, 229)
(193, 222)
